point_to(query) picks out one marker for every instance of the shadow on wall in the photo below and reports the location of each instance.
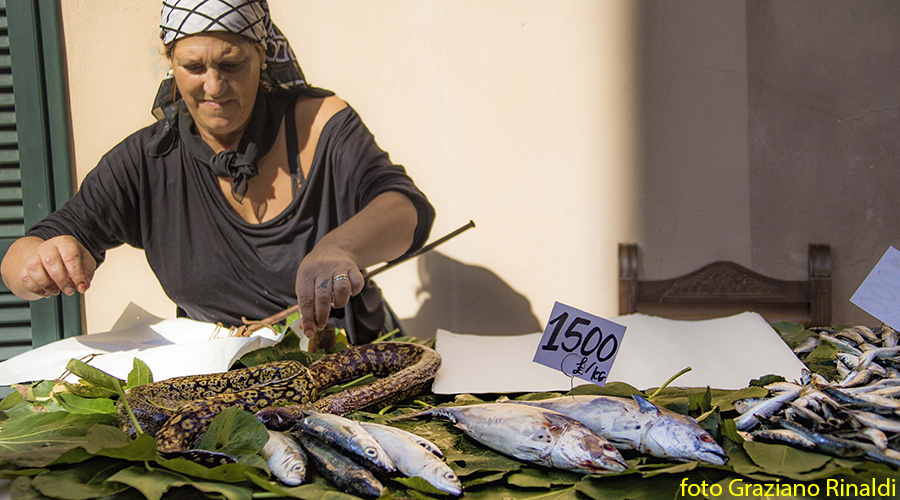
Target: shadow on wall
(467, 299)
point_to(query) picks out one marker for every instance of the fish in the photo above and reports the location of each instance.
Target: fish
(750, 419)
(868, 419)
(841, 344)
(637, 424)
(348, 435)
(340, 470)
(778, 436)
(285, 458)
(856, 378)
(744, 405)
(412, 460)
(876, 436)
(807, 345)
(534, 435)
(831, 445)
(424, 443)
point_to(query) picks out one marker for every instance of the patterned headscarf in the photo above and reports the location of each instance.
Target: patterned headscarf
(250, 18)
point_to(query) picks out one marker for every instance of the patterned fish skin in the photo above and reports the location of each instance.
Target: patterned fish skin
(340, 470)
(347, 435)
(177, 411)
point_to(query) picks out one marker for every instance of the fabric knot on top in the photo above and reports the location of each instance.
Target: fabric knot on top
(240, 167)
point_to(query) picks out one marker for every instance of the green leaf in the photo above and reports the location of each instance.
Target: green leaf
(77, 404)
(153, 484)
(89, 391)
(288, 348)
(620, 389)
(229, 473)
(94, 376)
(701, 401)
(764, 381)
(38, 439)
(79, 483)
(533, 477)
(780, 459)
(21, 489)
(234, 432)
(111, 442)
(419, 484)
(139, 375)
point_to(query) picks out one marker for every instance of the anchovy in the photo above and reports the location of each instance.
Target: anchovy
(346, 434)
(744, 405)
(535, 435)
(285, 458)
(867, 333)
(877, 353)
(856, 378)
(340, 470)
(851, 360)
(866, 402)
(419, 440)
(638, 424)
(412, 460)
(851, 334)
(876, 436)
(750, 419)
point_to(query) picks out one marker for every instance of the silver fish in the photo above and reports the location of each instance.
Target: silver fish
(841, 344)
(852, 334)
(285, 458)
(868, 419)
(534, 434)
(877, 353)
(638, 424)
(750, 419)
(424, 443)
(807, 345)
(856, 378)
(744, 405)
(412, 460)
(876, 436)
(340, 470)
(889, 336)
(851, 360)
(778, 436)
(348, 435)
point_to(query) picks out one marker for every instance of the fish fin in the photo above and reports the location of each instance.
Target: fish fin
(645, 405)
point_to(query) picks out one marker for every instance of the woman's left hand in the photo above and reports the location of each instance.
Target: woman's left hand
(327, 277)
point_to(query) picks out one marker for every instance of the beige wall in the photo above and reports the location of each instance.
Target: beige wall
(700, 129)
(516, 114)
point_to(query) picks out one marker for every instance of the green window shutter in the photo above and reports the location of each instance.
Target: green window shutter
(35, 171)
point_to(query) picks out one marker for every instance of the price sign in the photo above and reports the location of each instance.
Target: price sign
(879, 294)
(579, 344)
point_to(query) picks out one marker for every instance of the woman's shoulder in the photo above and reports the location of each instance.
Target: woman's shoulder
(313, 113)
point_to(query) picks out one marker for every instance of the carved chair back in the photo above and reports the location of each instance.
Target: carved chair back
(724, 288)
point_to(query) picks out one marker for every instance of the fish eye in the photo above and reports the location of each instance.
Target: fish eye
(706, 438)
(450, 475)
(371, 452)
(609, 447)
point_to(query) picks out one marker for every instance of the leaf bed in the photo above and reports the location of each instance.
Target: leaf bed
(61, 442)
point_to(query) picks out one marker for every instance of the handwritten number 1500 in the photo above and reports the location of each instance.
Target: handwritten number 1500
(593, 342)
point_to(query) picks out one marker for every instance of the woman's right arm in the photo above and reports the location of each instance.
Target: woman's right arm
(34, 268)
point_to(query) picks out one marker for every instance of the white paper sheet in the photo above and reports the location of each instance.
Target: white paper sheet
(724, 353)
(169, 347)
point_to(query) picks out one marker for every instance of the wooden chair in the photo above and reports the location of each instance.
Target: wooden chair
(724, 288)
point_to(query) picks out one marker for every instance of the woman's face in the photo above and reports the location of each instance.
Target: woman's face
(217, 74)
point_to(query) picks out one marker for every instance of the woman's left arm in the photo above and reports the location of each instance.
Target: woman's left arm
(382, 231)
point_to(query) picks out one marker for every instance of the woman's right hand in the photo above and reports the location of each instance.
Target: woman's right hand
(34, 268)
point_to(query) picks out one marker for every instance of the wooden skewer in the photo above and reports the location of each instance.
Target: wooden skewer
(252, 326)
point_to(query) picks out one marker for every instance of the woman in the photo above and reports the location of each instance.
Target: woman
(254, 191)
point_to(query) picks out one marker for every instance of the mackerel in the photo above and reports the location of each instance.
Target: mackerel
(348, 435)
(340, 470)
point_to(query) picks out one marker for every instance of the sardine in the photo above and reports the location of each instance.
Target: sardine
(412, 460)
(744, 405)
(841, 344)
(877, 353)
(807, 345)
(340, 470)
(285, 458)
(851, 334)
(638, 424)
(750, 419)
(889, 336)
(828, 444)
(857, 378)
(419, 440)
(346, 434)
(783, 436)
(876, 436)
(535, 435)
(877, 421)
